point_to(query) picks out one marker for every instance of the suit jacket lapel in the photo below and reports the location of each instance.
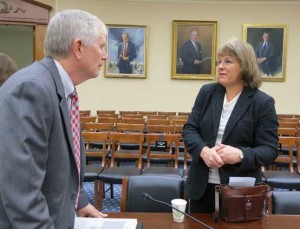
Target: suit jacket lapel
(50, 65)
(217, 106)
(238, 111)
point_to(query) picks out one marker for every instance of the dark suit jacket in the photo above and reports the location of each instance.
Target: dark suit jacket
(252, 127)
(188, 57)
(38, 173)
(124, 66)
(269, 53)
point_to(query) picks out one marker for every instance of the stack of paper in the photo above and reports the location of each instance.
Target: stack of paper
(104, 223)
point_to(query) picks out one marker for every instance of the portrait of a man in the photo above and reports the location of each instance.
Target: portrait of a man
(269, 44)
(194, 46)
(126, 52)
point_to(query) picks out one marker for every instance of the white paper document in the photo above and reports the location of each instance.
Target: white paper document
(242, 181)
(104, 223)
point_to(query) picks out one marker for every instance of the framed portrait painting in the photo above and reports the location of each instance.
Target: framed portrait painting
(126, 51)
(270, 44)
(194, 49)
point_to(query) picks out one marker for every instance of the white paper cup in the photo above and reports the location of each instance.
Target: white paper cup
(181, 205)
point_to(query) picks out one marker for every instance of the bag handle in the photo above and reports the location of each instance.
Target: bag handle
(217, 204)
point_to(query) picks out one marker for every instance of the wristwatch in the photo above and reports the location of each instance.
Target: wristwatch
(241, 155)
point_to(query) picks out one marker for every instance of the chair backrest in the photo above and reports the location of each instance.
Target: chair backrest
(159, 187)
(171, 148)
(84, 113)
(287, 132)
(176, 117)
(127, 127)
(289, 142)
(178, 122)
(133, 120)
(102, 119)
(158, 121)
(184, 113)
(88, 119)
(117, 139)
(284, 202)
(157, 117)
(97, 127)
(96, 137)
(168, 129)
(166, 113)
(288, 124)
(104, 115)
(104, 112)
(128, 112)
(84, 120)
(146, 113)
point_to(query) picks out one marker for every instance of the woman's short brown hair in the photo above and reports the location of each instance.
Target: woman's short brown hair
(250, 73)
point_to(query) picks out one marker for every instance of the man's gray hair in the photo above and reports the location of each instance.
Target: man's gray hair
(68, 25)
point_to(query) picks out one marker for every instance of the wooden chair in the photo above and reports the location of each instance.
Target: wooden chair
(296, 120)
(126, 127)
(88, 119)
(84, 113)
(287, 132)
(167, 129)
(92, 171)
(99, 127)
(182, 117)
(146, 113)
(158, 122)
(84, 120)
(108, 115)
(128, 112)
(157, 117)
(114, 174)
(133, 120)
(285, 116)
(166, 152)
(285, 179)
(184, 113)
(106, 112)
(159, 187)
(183, 156)
(288, 124)
(178, 122)
(132, 116)
(102, 119)
(166, 113)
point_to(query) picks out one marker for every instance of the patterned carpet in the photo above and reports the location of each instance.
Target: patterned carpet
(110, 205)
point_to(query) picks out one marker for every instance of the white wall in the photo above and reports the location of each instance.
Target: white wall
(159, 91)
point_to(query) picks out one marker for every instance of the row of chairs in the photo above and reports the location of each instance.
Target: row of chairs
(119, 147)
(167, 188)
(131, 113)
(285, 176)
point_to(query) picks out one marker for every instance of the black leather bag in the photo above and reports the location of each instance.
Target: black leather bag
(240, 204)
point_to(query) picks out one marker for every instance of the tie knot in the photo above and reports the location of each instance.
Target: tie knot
(74, 95)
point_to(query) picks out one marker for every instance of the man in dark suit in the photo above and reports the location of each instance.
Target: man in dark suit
(42, 161)
(126, 54)
(191, 54)
(265, 53)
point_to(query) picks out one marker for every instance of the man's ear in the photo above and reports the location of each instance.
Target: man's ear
(77, 48)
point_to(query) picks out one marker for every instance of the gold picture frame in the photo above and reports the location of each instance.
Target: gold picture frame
(129, 62)
(272, 56)
(194, 59)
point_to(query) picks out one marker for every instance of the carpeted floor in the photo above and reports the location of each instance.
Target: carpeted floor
(110, 205)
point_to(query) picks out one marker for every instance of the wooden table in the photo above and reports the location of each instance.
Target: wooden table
(165, 221)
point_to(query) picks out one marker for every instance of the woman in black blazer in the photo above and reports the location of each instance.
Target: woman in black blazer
(232, 130)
